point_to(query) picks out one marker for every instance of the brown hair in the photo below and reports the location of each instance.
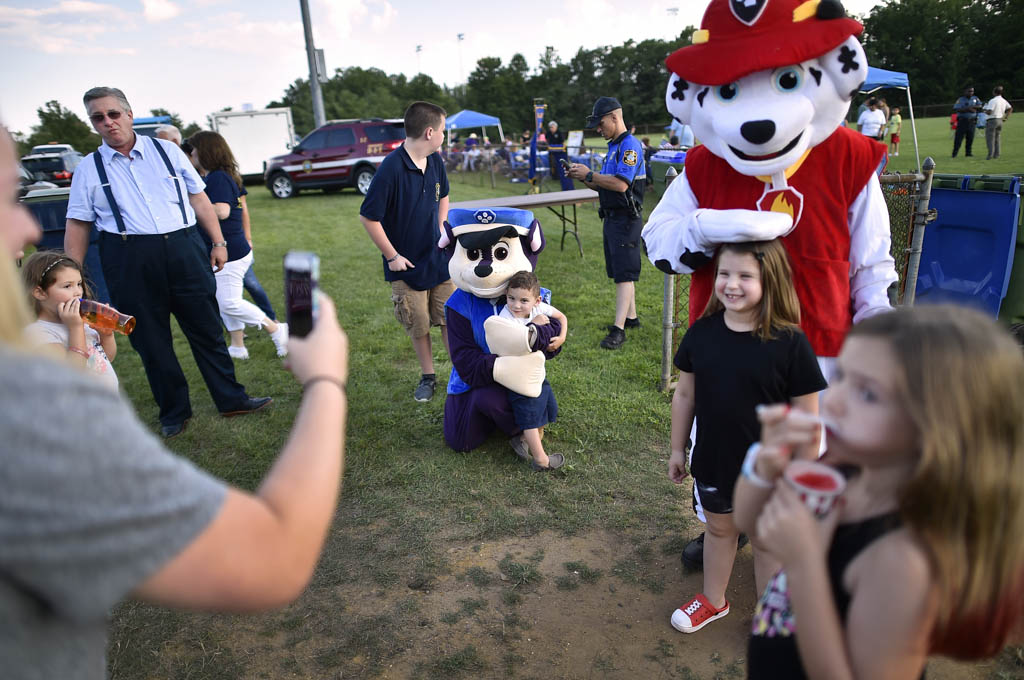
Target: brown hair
(421, 115)
(525, 280)
(215, 154)
(41, 268)
(963, 387)
(779, 308)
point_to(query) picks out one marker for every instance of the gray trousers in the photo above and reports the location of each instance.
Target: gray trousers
(993, 131)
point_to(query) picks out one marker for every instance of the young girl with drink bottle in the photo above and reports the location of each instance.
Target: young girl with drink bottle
(746, 349)
(55, 287)
(923, 555)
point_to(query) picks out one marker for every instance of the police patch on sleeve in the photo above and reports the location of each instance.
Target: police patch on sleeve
(629, 158)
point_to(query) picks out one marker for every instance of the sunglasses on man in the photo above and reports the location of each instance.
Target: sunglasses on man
(99, 116)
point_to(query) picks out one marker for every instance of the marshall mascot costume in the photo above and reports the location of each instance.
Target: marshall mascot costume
(490, 355)
(765, 86)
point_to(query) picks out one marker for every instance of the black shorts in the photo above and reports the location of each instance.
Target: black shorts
(718, 501)
(622, 247)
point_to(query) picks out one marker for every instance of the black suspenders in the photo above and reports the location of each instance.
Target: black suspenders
(116, 209)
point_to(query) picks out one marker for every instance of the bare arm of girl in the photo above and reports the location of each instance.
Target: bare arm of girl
(246, 225)
(807, 403)
(69, 315)
(783, 430)
(682, 423)
(223, 210)
(108, 343)
(891, 576)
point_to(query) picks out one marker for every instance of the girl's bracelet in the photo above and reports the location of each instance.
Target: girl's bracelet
(325, 378)
(80, 352)
(748, 467)
(389, 260)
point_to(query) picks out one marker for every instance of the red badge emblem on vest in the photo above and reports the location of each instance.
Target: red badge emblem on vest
(788, 200)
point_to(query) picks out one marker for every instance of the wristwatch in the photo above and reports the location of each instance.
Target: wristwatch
(589, 178)
(220, 244)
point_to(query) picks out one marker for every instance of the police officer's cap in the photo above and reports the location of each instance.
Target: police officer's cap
(602, 107)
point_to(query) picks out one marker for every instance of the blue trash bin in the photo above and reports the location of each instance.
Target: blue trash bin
(967, 255)
(50, 207)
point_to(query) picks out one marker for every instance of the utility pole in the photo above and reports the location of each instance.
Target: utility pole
(314, 73)
(419, 68)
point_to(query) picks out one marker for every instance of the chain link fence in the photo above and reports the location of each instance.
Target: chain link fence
(906, 197)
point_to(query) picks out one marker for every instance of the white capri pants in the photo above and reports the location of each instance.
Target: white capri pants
(236, 311)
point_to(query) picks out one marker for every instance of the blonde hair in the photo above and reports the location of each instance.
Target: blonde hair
(779, 309)
(963, 386)
(14, 313)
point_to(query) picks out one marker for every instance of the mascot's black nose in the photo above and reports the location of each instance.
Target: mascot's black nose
(758, 131)
(483, 270)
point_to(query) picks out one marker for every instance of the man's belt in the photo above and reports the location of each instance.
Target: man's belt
(556, 148)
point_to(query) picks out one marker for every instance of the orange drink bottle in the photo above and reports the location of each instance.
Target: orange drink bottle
(105, 318)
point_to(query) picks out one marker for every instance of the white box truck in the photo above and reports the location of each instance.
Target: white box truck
(255, 136)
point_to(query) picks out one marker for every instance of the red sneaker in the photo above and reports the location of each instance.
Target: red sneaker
(696, 614)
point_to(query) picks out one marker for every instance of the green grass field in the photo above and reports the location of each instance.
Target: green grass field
(407, 498)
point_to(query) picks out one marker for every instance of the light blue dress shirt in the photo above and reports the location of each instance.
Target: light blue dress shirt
(142, 187)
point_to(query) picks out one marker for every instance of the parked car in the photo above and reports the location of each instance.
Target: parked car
(53, 167)
(27, 182)
(341, 153)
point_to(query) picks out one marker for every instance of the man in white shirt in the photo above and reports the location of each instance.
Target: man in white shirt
(998, 110)
(872, 121)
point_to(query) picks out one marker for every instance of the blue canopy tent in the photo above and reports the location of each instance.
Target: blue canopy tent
(879, 78)
(472, 119)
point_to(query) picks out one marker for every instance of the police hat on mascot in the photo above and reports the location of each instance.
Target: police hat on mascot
(483, 227)
(738, 37)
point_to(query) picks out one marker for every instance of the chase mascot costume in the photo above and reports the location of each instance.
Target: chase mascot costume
(490, 355)
(765, 86)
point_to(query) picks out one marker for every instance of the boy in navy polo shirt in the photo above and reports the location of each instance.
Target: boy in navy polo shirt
(403, 212)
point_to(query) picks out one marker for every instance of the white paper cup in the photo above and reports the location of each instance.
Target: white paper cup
(818, 485)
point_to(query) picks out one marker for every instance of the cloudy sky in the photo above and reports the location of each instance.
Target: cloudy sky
(199, 56)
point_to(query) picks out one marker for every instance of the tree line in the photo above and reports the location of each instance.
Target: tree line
(943, 46)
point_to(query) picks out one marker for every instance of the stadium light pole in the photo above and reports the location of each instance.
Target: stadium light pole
(314, 76)
(462, 72)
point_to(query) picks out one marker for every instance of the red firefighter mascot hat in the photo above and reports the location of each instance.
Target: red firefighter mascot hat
(738, 37)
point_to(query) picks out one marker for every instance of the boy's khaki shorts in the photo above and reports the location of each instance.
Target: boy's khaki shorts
(418, 310)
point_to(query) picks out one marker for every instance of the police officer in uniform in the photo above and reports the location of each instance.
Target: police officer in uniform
(556, 154)
(621, 187)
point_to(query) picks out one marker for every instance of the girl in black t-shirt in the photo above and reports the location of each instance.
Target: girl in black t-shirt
(924, 554)
(746, 349)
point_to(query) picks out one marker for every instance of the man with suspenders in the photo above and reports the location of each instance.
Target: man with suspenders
(144, 197)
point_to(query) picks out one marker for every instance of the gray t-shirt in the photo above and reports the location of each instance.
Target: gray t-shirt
(91, 505)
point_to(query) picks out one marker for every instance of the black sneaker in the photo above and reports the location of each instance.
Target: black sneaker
(632, 323)
(693, 554)
(425, 390)
(616, 336)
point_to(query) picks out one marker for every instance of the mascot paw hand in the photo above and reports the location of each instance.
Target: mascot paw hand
(522, 374)
(506, 337)
(733, 226)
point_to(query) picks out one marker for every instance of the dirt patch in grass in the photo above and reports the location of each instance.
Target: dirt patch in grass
(547, 606)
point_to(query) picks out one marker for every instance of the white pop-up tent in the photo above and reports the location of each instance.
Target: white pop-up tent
(879, 78)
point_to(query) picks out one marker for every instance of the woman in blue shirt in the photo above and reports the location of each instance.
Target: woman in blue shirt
(215, 162)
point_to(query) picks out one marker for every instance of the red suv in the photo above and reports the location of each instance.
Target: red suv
(341, 153)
